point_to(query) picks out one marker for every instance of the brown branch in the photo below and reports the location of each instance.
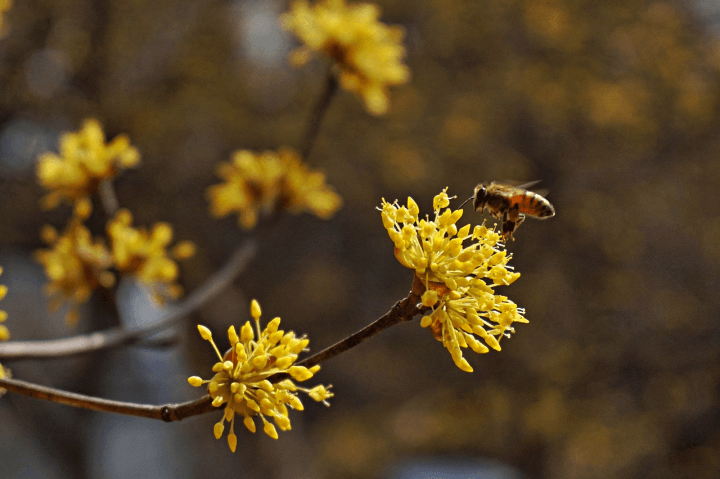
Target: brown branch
(403, 310)
(113, 337)
(316, 117)
(167, 412)
(108, 198)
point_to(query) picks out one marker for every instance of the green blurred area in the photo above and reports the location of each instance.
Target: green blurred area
(613, 105)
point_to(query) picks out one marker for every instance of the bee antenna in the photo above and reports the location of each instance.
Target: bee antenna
(463, 203)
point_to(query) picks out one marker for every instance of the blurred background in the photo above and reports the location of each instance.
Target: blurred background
(614, 105)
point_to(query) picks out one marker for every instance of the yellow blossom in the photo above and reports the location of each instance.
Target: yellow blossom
(242, 377)
(4, 373)
(321, 394)
(4, 333)
(84, 161)
(144, 254)
(269, 183)
(459, 269)
(76, 265)
(304, 189)
(367, 53)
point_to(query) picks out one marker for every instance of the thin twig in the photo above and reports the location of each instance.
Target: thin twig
(113, 337)
(167, 412)
(317, 115)
(108, 198)
(403, 310)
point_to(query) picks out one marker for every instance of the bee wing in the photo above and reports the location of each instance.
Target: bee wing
(506, 186)
(516, 184)
(524, 186)
(528, 185)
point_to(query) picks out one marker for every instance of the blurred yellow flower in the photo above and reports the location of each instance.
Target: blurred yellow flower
(241, 379)
(144, 254)
(269, 183)
(368, 54)
(75, 266)
(458, 279)
(5, 5)
(84, 161)
(305, 190)
(4, 333)
(4, 373)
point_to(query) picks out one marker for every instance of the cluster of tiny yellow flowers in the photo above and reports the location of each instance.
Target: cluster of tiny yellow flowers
(83, 162)
(269, 183)
(75, 265)
(459, 278)
(4, 333)
(241, 377)
(144, 254)
(368, 53)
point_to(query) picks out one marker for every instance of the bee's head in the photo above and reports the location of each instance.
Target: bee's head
(480, 197)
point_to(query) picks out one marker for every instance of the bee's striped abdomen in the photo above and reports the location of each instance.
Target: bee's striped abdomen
(533, 204)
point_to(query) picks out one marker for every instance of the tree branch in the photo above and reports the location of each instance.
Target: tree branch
(403, 310)
(167, 412)
(108, 198)
(316, 117)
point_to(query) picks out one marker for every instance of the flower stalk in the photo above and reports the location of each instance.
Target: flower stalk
(317, 115)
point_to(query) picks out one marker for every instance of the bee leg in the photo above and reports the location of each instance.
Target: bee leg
(517, 223)
(507, 231)
(512, 220)
(507, 228)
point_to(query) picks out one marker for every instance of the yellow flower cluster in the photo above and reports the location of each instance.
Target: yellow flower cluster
(241, 377)
(84, 161)
(459, 279)
(76, 265)
(368, 54)
(144, 254)
(269, 183)
(4, 333)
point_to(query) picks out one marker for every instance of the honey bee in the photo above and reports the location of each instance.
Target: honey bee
(510, 204)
